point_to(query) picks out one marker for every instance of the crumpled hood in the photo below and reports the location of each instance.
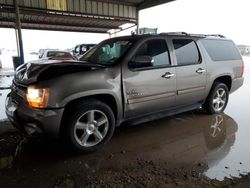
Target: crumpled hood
(40, 70)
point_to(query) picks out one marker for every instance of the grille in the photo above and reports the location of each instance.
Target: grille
(17, 93)
(16, 98)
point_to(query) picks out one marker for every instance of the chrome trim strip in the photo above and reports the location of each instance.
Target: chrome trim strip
(150, 97)
(190, 90)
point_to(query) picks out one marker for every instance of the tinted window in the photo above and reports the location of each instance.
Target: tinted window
(221, 50)
(186, 51)
(157, 49)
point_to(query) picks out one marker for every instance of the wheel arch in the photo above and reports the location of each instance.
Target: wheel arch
(106, 98)
(225, 79)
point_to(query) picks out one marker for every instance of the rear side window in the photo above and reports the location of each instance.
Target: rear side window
(221, 50)
(186, 52)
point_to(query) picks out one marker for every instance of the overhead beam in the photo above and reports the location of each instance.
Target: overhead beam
(57, 23)
(151, 3)
(54, 28)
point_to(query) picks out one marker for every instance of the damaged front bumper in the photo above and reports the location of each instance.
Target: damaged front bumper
(33, 121)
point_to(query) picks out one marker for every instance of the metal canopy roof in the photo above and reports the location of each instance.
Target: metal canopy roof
(97, 16)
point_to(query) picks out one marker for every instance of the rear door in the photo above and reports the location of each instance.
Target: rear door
(190, 71)
(149, 89)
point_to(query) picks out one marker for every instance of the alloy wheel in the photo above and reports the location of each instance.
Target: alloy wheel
(219, 99)
(91, 128)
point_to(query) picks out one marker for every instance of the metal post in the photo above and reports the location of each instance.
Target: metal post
(19, 33)
(137, 16)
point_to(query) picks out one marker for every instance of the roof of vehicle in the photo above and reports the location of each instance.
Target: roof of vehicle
(179, 34)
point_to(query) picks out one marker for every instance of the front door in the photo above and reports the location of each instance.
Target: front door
(151, 88)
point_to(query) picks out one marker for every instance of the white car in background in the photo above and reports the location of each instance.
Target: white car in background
(56, 55)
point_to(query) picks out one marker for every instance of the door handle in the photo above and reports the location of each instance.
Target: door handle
(168, 75)
(200, 71)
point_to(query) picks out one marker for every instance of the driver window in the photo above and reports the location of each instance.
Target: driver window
(157, 49)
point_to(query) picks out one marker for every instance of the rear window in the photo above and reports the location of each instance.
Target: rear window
(221, 50)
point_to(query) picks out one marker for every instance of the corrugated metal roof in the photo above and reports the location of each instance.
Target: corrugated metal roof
(98, 16)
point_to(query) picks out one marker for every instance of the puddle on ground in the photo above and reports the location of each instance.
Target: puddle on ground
(5, 81)
(184, 139)
(3, 94)
(190, 138)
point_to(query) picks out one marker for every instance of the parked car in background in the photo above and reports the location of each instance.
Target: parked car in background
(41, 51)
(33, 53)
(130, 79)
(82, 49)
(57, 55)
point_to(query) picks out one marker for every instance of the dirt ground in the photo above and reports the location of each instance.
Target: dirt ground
(151, 174)
(138, 172)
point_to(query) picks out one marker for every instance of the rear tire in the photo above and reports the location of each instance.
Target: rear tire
(89, 126)
(217, 99)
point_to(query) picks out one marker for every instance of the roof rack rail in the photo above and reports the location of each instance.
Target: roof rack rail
(217, 35)
(174, 33)
(208, 35)
(195, 35)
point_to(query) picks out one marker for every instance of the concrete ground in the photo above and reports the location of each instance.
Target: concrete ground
(187, 150)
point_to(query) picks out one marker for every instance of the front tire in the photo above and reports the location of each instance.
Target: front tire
(217, 99)
(90, 126)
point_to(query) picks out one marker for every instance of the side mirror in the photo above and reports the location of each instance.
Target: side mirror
(141, 62)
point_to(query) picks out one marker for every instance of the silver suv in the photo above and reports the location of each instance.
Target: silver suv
(129, 79)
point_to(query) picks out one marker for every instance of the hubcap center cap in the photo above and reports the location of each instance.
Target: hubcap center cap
(90, 128)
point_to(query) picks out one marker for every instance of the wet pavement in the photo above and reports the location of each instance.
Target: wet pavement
(3, 94)
(6, 76)
(220, 142)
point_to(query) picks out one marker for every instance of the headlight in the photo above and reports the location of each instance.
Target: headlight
(37, 97)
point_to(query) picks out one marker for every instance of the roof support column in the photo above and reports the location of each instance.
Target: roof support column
(19, 34)
(137, 17)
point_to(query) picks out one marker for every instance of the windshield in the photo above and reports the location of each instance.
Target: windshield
(107, 53)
